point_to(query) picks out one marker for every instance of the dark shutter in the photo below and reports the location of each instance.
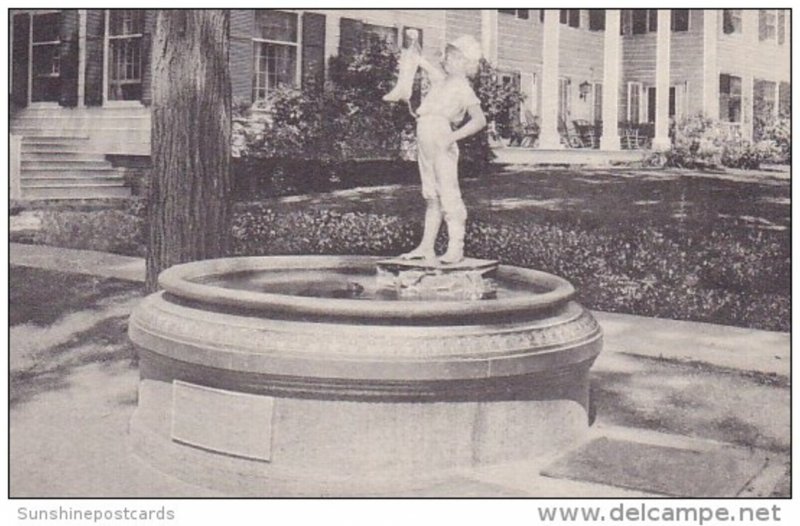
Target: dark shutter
(95, 30)
(147, 46)
(781, 26)
(21, 59)
(313, 51)
(350, 32)
(241, 53)
(68, 58)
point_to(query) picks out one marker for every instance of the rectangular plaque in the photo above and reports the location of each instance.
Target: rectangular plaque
(228, 422)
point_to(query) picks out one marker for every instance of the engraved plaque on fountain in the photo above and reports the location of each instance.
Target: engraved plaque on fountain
(238, 424)
(470, 279)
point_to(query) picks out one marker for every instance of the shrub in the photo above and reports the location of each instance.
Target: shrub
(779, 132)
(119, 231)
(349, 120)
(745, 154)
(696, 142)
(700, 142)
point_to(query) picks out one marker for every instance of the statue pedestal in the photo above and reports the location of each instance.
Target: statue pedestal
(469, 279)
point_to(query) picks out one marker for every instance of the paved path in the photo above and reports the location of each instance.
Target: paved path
(720, 345)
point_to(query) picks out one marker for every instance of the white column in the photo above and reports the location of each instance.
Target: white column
(710, 71)
(611, 74)
(548, 134)
(489, 35)
(661, 140)
(81, 57)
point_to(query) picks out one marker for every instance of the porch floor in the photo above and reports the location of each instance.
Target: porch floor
(567, 156)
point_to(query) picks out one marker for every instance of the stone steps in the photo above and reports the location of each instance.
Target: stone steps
(63, 167)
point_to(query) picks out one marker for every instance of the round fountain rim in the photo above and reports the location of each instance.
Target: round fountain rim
(177, 281)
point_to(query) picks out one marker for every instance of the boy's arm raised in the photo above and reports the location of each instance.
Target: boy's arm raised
(434, 71)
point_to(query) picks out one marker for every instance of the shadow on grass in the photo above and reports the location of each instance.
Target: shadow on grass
(694, 401)
(41, 297)
(105, 343)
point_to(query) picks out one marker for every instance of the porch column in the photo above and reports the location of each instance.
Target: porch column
(548, 134)
(489, 35)
(81, 57)
(710, 73)
(661, 140)
(611, 73)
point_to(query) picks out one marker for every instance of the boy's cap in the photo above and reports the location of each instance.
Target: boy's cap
(468, 46)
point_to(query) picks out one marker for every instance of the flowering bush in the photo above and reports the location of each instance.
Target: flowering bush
(699, 141)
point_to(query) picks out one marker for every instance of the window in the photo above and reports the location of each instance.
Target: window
(571, 17)
(652, 16)
(634, 102)
(730, 98)
(275, 49)
(639, 21)
(384, 33)
(45, 59)
(522, 14)
(731, 21)
(765, 98)
(597, 19)
(408, 33)
(781, 26)
(767, 24)
(125, 32)
(680, 20)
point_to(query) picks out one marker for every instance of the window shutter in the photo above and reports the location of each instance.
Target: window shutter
(241, 53)
(781, 26)
(349, 36)
(313, 51)
(762, 24)
(68, 58)
(147, 62)
(95, 32)
(19, 67)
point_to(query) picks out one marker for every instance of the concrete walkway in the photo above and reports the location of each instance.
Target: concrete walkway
(718, 345)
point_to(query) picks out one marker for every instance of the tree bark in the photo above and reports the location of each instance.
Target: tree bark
(189, 196)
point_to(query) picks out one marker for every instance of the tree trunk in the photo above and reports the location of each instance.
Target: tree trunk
(189, 197)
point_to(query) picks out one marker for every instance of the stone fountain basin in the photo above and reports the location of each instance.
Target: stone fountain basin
(346, 395)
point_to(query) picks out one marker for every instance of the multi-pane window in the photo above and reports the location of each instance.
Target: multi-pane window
(730, 98)
(767, 24)
(597, 19)
(765, 98)
(386, 34)
(571, 17)
(731, 21)
(679, 20)
(46, 62)
(275, 49)
(125, 32)
(522, 14)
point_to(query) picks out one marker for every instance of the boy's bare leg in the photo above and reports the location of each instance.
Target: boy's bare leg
(453, 209)
(433, 220)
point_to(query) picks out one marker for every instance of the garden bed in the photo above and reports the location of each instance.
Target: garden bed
(675, 245)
